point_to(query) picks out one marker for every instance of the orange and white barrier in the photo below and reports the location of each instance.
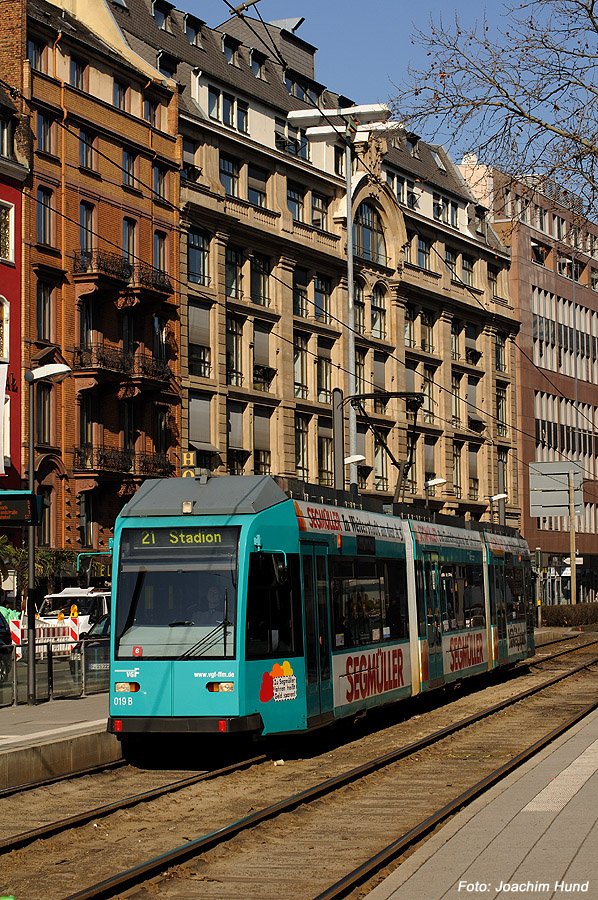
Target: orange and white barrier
(61, 637)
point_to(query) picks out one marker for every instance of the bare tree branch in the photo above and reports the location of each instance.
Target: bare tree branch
(524, 99)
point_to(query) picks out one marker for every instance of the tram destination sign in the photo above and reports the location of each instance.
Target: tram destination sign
(179, 537)
(19, 508)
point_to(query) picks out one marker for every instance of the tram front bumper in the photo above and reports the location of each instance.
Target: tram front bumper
(185, 724)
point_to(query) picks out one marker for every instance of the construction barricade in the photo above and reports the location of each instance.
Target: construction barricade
(60, 636)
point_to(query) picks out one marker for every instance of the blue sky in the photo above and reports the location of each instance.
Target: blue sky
(363, 45)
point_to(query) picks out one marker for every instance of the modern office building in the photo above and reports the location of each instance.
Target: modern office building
(554, 286)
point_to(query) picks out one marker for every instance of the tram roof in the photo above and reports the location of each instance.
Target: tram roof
(225, 495)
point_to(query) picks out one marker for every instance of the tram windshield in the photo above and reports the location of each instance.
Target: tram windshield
(176, 593)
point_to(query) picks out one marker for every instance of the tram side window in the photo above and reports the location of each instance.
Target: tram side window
(473, 598)
(273, 608)
(515, 592)
(369, 601)
(422, 606)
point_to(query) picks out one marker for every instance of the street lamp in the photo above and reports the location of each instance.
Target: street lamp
(51, 372)
(494, 498)
(358, 122)
(433, 482)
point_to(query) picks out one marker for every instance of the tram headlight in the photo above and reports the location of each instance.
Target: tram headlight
(125, 687)
(221, 687)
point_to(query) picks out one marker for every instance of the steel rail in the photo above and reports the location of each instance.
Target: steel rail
(55, 779)
(368, 868)
(45, 831)
(152, 867)
(534, 662)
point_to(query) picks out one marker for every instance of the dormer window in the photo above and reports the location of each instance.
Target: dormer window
(230, 48)
(193, 30)
(412, 144)
(438, 160)
(161, 13)
(167, 65)
(258, 62)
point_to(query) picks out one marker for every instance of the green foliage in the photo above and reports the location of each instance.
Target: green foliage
(53, 565)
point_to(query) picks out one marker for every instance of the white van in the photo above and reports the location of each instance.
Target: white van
(91, 605)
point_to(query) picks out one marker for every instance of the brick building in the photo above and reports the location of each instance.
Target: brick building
(100, 237)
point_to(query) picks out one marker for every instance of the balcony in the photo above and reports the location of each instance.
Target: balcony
(121, 462)
(120, 363)
(110, 359)
(102, 262)
(112, 265)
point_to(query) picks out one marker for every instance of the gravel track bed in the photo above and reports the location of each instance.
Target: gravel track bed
(63, 864)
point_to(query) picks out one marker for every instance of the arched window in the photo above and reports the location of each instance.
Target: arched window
(368, 234)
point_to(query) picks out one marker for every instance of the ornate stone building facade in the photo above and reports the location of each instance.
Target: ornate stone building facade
(195, 252)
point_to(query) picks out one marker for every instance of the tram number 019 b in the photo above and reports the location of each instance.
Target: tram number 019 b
(122, 701)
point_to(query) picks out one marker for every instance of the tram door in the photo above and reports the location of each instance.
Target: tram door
(433, 615)
(320, 699)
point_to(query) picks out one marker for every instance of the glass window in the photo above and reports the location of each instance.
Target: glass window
(273, 607)
(150, 111)
(368, 234)
(197, 257)
(295, 201)
(300, 281)
(77, 73)
(44, 215)
(233, 273)
(379, 312)
(160, 176)
(214, 103)
(228, 109)
(229, 175)
(423, 253)
(86, 231)
(129, 164)
(319, 211)
(301, 446)
(43, 396)
(259, 278)
(242, 116)
(160, 240)
(467, 270)
(44, 133)
(44, 310)
(129, 240)
(196, 590)
(300, 366)
(256, 185)
(234, 338)
(86, 149)
(322, 298)
(119, 95)
(35, 54)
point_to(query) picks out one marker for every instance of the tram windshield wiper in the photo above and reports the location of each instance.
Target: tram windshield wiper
(179, 622)
(208, 641)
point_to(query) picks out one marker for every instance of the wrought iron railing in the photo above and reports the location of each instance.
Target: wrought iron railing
(106, 263)
(113, 359)
(128, 462)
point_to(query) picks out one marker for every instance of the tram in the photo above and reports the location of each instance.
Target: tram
(239, 606)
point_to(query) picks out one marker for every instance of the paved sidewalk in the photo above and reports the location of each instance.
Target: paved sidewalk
(536, 834)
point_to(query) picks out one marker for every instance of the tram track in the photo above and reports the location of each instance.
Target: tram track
(321, 792)
(164, 788)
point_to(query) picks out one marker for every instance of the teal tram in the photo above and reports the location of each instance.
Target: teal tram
(241, 607)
